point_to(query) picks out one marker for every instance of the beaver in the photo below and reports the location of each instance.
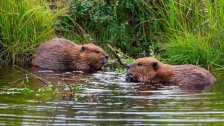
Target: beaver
(63, 54)
(151, 70)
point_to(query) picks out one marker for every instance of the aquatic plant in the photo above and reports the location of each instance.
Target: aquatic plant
(26, 90)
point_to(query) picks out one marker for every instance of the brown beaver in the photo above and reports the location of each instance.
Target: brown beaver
(62, 54)
(151, 70)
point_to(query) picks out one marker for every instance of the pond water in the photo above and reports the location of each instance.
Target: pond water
(105, 99)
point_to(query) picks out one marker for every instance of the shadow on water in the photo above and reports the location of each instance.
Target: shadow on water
(106, 99)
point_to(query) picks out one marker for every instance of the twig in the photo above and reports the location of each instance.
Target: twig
(35, 76)
(115, 54)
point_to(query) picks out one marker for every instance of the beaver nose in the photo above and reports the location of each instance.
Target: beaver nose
(106, 56)
(128, 66)
(129, 77)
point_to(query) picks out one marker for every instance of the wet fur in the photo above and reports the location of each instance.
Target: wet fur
(62, 54)
(168, 74)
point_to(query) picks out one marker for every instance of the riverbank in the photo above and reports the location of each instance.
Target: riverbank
(177, 32)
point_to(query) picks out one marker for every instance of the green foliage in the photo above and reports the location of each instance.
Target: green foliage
(129, 60)
(42, 90)
(24, 24)
(77, 88)
(45, 89)
(179, 31)
(124, 58)
(187, 31)
(121, 23)
(26, 90)
(195, 32)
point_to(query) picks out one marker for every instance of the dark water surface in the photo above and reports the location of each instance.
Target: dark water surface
(106, 99)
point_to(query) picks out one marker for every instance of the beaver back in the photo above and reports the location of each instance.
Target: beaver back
(62, 54)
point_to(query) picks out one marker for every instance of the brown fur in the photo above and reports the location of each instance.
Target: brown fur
(151, 70)
(62, 54)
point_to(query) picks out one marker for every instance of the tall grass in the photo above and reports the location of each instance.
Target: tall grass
(186, 31)
(195, 49)
(194, 32)
(24, 24)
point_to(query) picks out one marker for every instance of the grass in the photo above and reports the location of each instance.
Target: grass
(185, 31)
(178, 31)
(195, 49)
(23, 26)
(194, 32)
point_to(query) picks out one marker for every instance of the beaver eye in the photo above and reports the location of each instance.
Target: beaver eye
(140, 64)
(97, 52)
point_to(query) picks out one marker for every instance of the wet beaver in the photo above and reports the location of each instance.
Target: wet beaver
(151, 70)
(62, 54)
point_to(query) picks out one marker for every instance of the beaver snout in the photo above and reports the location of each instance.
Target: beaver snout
(106, 56)
(129, 78)
(129, 66)
(104, 59)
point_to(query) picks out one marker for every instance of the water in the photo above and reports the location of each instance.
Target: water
(106, 99)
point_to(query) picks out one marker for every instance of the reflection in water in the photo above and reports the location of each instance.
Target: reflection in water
(106, 99)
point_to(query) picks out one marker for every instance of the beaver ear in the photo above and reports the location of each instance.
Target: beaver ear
(155, 65)
(82, 49)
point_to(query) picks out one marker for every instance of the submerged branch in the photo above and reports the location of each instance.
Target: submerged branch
(35, 76)
(118, 58)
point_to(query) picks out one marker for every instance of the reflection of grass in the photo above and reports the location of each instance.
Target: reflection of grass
(23, 26)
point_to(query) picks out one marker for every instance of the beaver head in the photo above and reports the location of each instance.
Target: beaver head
(146, 69)
(92, 57)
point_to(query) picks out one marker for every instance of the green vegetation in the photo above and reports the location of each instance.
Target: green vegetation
(176, 31)
(77, 88)
(188, 48)
(47, 88)
(50, 89)
(121, 23)
(26, 90)
(194, 33)
(23, 26)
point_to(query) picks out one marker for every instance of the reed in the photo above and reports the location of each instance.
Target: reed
(194, 32)
(23, 26)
